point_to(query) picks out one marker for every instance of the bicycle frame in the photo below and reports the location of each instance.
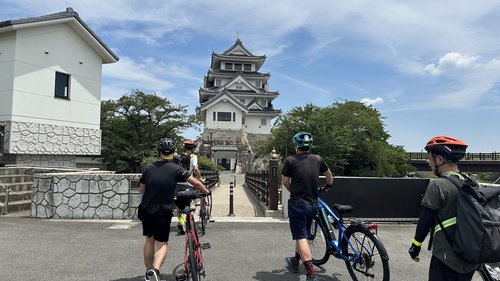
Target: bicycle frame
(323, 212)
(190, 231)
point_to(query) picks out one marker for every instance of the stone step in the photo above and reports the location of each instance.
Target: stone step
(12, 170)
(19, 186)
(16, 206)
(16, 196)
(15, 178)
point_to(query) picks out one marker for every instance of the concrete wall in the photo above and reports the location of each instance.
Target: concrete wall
(7, 52)
(85, 196)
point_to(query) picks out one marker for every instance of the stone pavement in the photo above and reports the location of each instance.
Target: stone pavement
(242, 201)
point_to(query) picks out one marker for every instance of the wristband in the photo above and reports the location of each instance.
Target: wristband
(416, 243)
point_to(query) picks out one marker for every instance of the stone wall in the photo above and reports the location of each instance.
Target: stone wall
(96, 195)
(37, 138)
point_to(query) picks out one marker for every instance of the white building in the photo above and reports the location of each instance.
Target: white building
(235, 103)
(50, 89)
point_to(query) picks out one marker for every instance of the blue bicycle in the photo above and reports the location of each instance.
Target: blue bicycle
(357, 244)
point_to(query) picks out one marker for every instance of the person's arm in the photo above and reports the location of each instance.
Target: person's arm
(142, 188)
(198, 185)
(329, 177)
(424, 226)
(196, 172)
(286, 182)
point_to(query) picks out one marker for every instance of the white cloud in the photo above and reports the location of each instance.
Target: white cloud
(449, 62)
(368, 101)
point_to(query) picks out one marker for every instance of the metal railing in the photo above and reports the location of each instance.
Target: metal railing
(257, 183)
(211, 178)
(5, 210)
(479, 156)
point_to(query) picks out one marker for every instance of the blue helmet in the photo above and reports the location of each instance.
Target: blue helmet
(303, 139)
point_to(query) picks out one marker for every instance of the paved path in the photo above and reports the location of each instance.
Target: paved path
(40, 249)
(243, 206)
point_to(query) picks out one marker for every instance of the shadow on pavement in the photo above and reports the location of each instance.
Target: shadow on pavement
(285, 275)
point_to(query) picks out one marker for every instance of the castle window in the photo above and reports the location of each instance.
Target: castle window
(228, 66)
(217, 82)
(237, 66)
(247, 67)
(234, 116)
(257, 84)
(214, 115)
(263, 122)
(263, 103)
(224, 116)
(62, 86)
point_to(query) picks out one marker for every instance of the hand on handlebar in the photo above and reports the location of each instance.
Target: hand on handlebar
(325, 187)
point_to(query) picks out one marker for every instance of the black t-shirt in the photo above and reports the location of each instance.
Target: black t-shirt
(160, 179)
(304, 170)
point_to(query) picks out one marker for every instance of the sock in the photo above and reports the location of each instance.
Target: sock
(310, 268)
(296, 259)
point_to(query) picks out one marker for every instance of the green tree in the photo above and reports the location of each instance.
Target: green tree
(349, 135)
(132, 125)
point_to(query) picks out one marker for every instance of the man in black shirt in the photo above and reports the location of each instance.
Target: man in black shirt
(300, 175)
(158, 182)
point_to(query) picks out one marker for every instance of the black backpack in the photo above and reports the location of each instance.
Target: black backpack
(477, 229)
(182, 160)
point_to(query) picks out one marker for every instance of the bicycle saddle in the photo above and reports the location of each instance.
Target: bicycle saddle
(343, 209)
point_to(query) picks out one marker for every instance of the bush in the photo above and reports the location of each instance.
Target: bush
(205, 164)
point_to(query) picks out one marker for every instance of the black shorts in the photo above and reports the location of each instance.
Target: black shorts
(159, 229)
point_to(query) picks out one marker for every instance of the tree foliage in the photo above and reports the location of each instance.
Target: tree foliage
(349, 135)
(132, 125)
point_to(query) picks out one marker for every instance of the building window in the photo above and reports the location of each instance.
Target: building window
(263, 122)
(257, 84)
(217, 82)
(243, 121)
(228, 66)
(237, 66)
(224, 116)
(234, 116)
(62, 86)
(263, 103)
(214, 115)
(247, 67)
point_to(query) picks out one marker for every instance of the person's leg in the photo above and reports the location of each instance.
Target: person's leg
(149, 249)
(161, 250)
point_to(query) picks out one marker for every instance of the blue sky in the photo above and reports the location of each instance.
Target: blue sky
(430, 67)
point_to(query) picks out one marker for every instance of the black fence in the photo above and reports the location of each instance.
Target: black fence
(211, 178)
(257, 183)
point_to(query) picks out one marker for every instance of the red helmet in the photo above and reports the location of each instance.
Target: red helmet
(451, 148)
(189, 144)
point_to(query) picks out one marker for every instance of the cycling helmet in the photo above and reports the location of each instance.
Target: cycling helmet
(190, 144)
(451, 148)
(303, 139)
(166, 146)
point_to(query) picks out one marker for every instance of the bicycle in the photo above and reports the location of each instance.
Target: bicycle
(357, 244)
(193, 259)
(486, 273)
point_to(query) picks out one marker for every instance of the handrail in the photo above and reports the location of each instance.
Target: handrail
(7, 191)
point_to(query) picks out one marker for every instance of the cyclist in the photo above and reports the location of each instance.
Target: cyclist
(189, 146)
(300, 176)
(441, 199)
(158, 183)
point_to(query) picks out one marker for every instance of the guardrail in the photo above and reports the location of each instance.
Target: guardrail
(257, 183)
(479, 156)
(212, 178)
(5, 210)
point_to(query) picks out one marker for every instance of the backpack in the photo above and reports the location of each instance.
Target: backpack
(477, 229)
(183, 160)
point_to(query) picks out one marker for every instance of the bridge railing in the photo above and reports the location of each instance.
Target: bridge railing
(257, 183)
(478, 156)
(212, 178)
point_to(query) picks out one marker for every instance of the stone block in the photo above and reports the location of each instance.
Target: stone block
(95, 200)
(74, 201)
(64, 212)
(82, 186)
(114, 202)
(104, 212)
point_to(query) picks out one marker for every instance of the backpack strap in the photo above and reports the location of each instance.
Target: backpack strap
(458, 183)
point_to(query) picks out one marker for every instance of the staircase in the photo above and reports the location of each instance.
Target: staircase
(17, 185)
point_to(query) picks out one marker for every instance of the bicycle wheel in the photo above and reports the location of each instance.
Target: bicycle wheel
(193, 273)
(483, 273)
(203, 215)
(318, 242)
(368, 259)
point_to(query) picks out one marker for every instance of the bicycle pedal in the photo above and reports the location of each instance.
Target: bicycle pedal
(205, 246)
(180, 277)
